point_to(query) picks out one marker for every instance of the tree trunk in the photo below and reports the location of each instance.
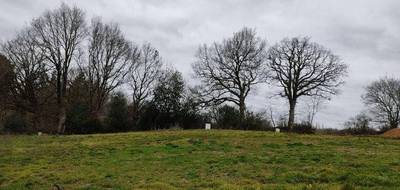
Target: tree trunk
(242, 110)
(292, 105)
(62, 116)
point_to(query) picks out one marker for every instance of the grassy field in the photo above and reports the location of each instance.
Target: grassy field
(199, 160)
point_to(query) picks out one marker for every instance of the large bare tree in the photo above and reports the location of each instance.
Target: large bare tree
(305, 68)
(229, 70)
(59, 33)
(30, 78)
(383, 97)
(109, 63)
(145, 72)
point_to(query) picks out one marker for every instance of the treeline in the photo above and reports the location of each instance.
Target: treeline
(61, 74)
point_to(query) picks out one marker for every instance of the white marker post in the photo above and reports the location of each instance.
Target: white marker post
(208, 126)
(277, 130)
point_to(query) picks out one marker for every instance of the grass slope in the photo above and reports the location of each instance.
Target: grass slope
(199, 160)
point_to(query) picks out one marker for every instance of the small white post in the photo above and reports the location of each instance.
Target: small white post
(208, 126)
(39, 133)
(277, 130)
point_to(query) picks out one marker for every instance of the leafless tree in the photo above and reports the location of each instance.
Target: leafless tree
(30, 77)
(59, 33)
(109, 61)
(383, 97)
(143, 76)
(229, 70)
(359, 125)
(313, 106)
(6, 80)
(304, 68)
(271, 117)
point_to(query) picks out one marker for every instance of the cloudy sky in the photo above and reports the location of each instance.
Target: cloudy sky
(365, 34)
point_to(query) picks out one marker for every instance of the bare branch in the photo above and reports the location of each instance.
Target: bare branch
(144, 74)
(109, 61)
(58, 33)
(230, 69)
(383, 97)
(304, 68)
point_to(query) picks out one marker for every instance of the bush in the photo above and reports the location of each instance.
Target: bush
(117, 117)
(190, 116)
(153, 118)
(330, 131)
(147, 119)
(92, 125)
(257, 121)
(192, 120)
(77, 115)
(227, 117)
(303, 128)
(359, 125)
(15, 123)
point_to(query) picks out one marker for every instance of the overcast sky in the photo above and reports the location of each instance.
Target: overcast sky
(365, 34)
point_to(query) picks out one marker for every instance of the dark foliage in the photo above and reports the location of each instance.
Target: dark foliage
(359, 125)
(117, 116)
(148, 118)
(80, 121)
(228, 117)
(257, 121)
(190, 116)
(302, 128)
(330, 131)
(15, 123)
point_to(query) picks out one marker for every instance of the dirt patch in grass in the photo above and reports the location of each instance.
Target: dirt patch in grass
(393, 133)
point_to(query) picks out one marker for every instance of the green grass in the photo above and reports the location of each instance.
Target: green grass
(199, 160)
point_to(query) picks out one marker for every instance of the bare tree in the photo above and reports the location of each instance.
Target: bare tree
(6, 80)
(109, 61)
(313, 106)
(359, 125)
(229, 70)
(59, 33)
(143, 76)
(304, 68)
(30, 79)
(383, 97)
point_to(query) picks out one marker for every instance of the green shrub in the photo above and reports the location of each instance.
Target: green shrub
(257, 121)
(77, 115)
(92, 125)
(15, 123)
(227, 117)
(302, 128)
(118, 114)
(359, 125)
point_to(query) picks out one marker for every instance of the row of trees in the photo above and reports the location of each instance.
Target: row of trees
(231, 69)
(58, 61)
(59, 71)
